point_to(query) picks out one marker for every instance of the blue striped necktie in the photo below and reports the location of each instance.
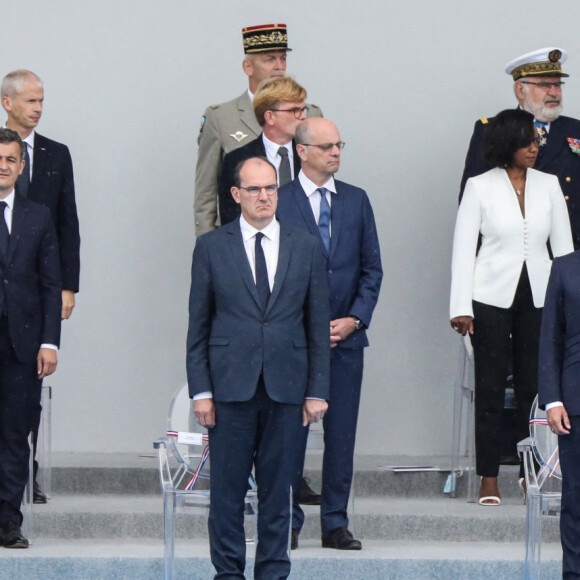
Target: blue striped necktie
(324, 219)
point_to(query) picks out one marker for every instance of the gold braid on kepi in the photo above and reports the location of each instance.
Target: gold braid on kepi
(265, 38)
(543, 62)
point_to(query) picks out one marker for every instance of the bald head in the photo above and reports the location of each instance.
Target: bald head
(318, 145)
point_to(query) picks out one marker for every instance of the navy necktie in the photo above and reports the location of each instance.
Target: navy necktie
(23, 181)
(261, 272)
(324, 219)
(284, 174)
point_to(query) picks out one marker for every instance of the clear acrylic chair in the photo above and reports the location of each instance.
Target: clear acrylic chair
(43, 456)
(184, 468)
(463, 443)
(541, 480)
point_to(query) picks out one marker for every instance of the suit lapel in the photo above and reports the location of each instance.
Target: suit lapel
(247, 114)
(241, 259)
(336, 214)
(18, 221)
(303, 204)
(297, 162)
(553, 147)
(39, 163)
(283, 261)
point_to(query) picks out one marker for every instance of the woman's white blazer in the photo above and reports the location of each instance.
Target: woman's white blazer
(490, 206)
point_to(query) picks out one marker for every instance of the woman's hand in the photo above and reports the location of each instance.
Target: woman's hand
(462, 324)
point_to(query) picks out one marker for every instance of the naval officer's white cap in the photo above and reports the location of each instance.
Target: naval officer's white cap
(543, 62)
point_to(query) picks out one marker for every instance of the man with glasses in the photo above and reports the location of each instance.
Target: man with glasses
(538, 85)
(232, 124)
(279, 106)
(258, 360)
(341, 217)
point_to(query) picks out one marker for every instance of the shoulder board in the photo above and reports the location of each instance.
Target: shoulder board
(484, 120)
(213, 106)
(313, 105)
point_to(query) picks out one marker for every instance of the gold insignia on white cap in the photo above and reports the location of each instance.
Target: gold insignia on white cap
(543, 62)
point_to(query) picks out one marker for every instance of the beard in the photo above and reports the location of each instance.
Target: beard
(541, 112)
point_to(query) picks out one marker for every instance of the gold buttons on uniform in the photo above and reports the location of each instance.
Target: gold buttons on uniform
(566, 197)
(568, 179)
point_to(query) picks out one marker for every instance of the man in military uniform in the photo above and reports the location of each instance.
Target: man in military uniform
(230, 125)
(538, 84)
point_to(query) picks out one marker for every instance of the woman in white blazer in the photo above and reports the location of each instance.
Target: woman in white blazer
(499, 290)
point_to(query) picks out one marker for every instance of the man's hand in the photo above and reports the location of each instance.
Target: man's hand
(313, 410)
(340, 329)
(462, 324)
(46, 362)
(558, 420)
(68, 303)
(204, 411)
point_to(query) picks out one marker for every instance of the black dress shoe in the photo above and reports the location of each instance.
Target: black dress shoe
(38, 496)
(340, 539)
(12, 536)
(294, 540)
(307, 495)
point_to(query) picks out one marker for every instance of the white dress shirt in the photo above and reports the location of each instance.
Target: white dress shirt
(274, 158)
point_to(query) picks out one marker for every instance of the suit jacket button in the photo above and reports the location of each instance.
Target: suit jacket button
(566, 197)
(568, 179)
(265, 324)
(330, 271)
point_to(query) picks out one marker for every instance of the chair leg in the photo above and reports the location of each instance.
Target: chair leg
(169, 535)
(533, 537)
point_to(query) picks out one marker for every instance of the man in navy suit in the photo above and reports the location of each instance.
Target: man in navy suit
(340, 215)
(279, 106)
(30, 313)
(258, 360)
(538, 81)
(559, 393)
(47, 179)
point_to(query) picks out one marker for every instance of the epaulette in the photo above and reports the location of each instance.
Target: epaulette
(484, 120)
(313, 105)
(213, 106)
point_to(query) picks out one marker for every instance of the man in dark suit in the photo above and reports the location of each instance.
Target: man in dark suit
(279, 106)
(258, 358)
(30, 312)
(47, 179)
(559, 394)
(340, 215)
(538, 88)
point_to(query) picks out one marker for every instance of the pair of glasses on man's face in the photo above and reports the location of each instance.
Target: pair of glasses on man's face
(544, 85)
(255, 190)
(326, 147)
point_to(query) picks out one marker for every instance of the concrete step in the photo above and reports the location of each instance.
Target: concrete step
(50, 559)
(388, 519)
(123, 473)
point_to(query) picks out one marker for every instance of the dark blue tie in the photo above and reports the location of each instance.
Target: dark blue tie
(324, 219)
(261, 272)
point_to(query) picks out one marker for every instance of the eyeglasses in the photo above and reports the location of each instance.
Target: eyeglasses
(255, 190)
(537, 142)
(298, 111)
(325, 146)
(545, 85)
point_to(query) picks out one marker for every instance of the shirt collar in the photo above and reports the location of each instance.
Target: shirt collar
(9, 199)
(310, 187)
(272, 148)
(271, 231)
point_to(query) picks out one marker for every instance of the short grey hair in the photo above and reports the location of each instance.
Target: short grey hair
(13, 82)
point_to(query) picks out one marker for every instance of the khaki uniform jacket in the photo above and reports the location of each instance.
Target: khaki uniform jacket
(224, 128)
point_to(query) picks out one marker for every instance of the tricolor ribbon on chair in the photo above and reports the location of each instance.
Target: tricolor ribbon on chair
(204, 458)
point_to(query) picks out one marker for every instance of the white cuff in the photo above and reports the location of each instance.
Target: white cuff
(554, 404)
(204, 395)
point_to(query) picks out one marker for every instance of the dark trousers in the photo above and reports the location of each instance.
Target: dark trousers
(569, 448)
(492, 329)
(340, 421)
(263, 433)
(19, 401)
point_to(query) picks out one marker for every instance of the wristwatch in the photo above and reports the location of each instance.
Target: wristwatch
(358, 325)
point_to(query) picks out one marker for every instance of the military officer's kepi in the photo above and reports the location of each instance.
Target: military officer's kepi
(265, 38)
(545, 62)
